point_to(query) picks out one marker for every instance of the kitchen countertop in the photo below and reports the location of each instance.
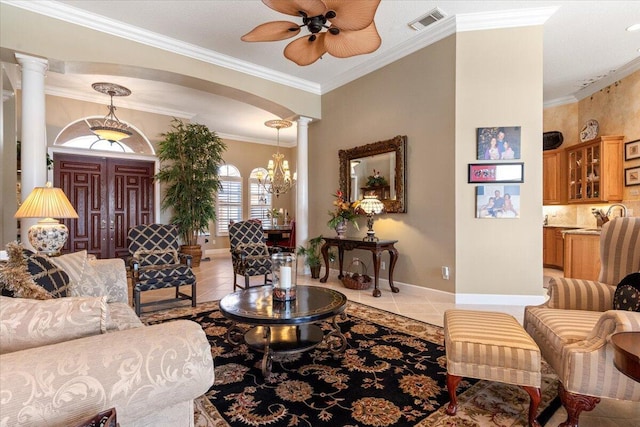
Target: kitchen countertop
(594, 231)
(574, 229)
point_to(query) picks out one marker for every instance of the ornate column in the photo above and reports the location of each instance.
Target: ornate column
(302, 184)
(33, 132)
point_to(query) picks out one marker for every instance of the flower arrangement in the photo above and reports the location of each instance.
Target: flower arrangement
(376, 180)
(273, 213)
(343, 211)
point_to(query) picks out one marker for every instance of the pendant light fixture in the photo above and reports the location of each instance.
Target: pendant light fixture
(110, 128)
(278, 180)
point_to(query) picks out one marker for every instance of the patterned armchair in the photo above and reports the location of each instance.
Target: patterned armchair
(573, 327)
(156, 263)
(249, 253)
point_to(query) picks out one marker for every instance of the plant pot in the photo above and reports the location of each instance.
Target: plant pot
(315, 271)
(195, 251)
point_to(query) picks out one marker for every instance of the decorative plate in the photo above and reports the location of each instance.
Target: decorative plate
(589, 131)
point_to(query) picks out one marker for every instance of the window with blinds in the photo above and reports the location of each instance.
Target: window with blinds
(260, 202)
(229, 203)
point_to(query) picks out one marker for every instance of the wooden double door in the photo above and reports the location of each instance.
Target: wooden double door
(110, 195)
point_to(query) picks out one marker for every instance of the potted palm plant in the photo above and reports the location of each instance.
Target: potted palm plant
(190, 155)
(312, 255)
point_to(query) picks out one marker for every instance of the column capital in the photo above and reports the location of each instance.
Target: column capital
(303, 121)
(32, 63)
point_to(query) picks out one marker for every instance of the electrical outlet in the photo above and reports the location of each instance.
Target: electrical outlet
(445, 272)
(383, 265)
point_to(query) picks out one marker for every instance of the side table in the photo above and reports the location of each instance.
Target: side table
(626, 356)
(376, 248)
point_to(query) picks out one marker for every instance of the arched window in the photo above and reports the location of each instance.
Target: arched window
(78, 135)
(229, 203)
(260, 202)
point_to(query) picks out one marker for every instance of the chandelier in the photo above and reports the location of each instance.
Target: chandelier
(110, 128)
(278, 180)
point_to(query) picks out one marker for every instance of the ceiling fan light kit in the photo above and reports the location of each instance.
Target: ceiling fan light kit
(349, 26)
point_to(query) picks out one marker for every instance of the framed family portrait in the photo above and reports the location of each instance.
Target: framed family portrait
(496, 172)
(632, 150)
(497, 201)
(498, 143)
(632, 176)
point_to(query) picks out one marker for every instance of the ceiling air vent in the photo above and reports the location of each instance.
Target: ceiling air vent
(427, 19)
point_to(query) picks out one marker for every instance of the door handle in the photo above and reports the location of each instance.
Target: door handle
(103, 224)
(112, 225)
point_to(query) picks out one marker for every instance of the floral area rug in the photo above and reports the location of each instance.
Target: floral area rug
(391, 374)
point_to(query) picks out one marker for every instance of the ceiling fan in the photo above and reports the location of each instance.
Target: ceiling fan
(349, 25)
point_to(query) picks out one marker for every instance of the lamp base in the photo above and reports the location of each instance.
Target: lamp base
(48, 236)
(370, 237)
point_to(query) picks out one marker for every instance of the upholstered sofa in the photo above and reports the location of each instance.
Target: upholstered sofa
(573, 328)
(63, 360)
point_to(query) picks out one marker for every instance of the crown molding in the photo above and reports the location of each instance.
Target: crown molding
(560, 101)
(444, 28)
(436, 32)
(100, 23)
(504, 19)
(620, 73)
(138, 106)
(242, 138)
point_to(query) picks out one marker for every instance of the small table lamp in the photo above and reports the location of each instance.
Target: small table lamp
(48, 236)
(371, 205)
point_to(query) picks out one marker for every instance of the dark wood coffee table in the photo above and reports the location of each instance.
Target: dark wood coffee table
(281, 328)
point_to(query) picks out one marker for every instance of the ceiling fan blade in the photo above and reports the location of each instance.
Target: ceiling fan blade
(293, 7)
(351, 43)
(305, 52)
(272, 31)
(352, 15)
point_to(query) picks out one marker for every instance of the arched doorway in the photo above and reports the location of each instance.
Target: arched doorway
(110, 186)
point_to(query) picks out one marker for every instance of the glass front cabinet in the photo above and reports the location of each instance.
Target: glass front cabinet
(595, 170)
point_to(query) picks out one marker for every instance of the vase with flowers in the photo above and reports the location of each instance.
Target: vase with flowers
(342, 213)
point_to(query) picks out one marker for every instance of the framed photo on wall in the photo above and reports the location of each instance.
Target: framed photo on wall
(632, 150)
(497, 201)
(496, 172)
(632, 176)
(498, 143)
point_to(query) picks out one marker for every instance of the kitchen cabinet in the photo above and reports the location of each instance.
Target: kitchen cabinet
(554, 177)
(582, 255)
(595, 170)
(553, 247)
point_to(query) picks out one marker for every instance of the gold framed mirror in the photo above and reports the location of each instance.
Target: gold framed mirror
(377, 168)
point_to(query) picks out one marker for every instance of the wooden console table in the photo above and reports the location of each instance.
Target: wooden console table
(376, 247)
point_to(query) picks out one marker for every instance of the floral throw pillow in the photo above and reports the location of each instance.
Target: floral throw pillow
(627, 295)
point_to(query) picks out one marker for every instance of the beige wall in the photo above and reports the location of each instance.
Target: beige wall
(438, 97)
(499, 83)
(617, 110)
(414, 97)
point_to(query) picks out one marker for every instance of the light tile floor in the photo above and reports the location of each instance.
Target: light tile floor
(215, 280)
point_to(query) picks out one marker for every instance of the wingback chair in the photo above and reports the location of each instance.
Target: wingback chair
(573, 327)
(250, 255)
(156, 263)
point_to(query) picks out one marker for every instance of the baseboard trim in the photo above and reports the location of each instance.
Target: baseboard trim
(497, 299)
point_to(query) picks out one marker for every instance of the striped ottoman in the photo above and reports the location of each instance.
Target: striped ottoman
(490, 346)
